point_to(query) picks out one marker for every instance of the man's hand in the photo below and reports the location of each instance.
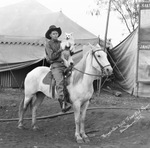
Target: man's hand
(60, 50)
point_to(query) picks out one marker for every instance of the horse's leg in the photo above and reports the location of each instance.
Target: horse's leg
(82, 120)
(39, 98)
(21, 114)
(22, 108)
(76, 107)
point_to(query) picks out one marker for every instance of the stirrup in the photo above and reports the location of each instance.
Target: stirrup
(64, 106)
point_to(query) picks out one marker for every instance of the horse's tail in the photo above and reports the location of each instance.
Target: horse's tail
(23, 107)
(29, 104)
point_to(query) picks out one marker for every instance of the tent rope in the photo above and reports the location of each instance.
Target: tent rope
(115, 65)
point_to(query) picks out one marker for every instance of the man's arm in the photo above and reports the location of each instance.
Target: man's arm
(52, 55)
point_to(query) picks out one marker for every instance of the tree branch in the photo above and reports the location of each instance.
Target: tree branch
(130, 15)
(122, 17)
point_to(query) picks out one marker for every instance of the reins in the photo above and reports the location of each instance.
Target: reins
(87, 73)
(102, 67)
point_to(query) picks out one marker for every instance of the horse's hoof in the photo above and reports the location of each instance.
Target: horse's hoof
(35, 128)
(20, 127)
(79, 141)
(86, 139)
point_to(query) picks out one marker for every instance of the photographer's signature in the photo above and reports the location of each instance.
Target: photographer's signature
(127, 122)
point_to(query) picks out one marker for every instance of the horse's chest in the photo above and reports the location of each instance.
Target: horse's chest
(87, 95)
(81, 92)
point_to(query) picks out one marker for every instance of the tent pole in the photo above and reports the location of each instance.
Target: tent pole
(138, 49)
(106, 30)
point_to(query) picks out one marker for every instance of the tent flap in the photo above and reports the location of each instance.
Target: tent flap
(124, 60)
(15, 66)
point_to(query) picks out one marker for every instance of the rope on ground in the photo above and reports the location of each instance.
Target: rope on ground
(62, 114)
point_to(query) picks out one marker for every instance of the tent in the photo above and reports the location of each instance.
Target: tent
(19, 56)
(14, 17)
(37, 25)
(30, 18)
(18, 53)
(128, 66)
(22, 39)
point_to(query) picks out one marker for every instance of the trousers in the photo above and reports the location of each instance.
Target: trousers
(57, 72)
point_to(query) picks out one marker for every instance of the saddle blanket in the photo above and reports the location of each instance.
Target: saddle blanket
(48, 78)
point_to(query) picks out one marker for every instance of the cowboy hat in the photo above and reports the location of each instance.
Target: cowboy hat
(53, 28)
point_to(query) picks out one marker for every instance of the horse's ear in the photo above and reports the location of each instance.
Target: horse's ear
(91, 46)
(98, 46)
(86, 49)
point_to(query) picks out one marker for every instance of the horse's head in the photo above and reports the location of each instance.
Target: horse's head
(100, 61)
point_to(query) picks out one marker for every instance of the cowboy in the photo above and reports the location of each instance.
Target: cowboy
(53, 52)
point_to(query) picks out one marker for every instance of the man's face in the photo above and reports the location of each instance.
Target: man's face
(54, 35)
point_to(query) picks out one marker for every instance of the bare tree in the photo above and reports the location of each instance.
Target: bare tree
(128, 11)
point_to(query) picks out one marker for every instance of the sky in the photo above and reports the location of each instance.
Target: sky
(77, 11)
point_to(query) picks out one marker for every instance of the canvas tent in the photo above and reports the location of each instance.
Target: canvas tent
(18, 57)
(30, 18)
(18, 53)
(125, 60)
(36, 26)
(22, 41)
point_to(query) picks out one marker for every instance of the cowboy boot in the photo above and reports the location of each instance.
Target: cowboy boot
(64, 105)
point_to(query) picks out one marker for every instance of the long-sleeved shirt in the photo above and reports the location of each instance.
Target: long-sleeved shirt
(53, 51)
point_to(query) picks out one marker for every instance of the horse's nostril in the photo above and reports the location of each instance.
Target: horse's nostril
(107, 69)
(71, 63)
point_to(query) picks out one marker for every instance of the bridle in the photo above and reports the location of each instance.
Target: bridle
(102, 67)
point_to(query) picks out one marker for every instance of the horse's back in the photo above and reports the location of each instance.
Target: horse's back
(38, 71)
(34, 78)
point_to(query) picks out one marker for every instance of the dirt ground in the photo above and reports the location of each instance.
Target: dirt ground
(59, 132)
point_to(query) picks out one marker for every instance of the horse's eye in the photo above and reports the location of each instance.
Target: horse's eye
(99, 56)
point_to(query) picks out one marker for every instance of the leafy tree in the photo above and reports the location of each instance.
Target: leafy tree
(128, 11)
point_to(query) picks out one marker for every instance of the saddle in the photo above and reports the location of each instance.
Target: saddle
(49, 80)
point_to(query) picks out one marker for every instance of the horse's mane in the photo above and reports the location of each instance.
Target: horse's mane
(80, 69)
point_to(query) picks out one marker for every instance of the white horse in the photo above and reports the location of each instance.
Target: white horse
(92, 66)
